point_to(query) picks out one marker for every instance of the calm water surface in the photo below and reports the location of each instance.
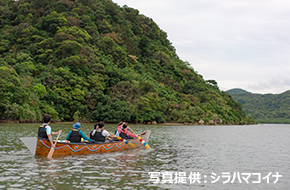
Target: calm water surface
(222, 155)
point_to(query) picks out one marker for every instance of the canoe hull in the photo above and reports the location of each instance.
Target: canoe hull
(65, 149)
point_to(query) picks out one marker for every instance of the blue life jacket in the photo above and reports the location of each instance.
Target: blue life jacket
(117, 133)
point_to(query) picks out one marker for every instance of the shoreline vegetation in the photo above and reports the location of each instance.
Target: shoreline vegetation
(148, 123)
(97, 61)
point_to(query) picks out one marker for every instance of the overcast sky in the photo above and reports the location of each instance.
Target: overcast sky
(239, 43)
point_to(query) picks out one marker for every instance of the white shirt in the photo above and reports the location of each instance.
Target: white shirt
(105, 133)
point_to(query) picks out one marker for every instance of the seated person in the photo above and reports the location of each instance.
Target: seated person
(76, 134)
(101, 135)
(120, 123)
(116, 132)
(124, 132)
(96, 126)
(44, 130)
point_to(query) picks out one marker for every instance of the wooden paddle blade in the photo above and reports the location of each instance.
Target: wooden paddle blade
(49, 156)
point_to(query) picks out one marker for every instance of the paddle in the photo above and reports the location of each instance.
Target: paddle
(49, 156)
(141, 140)
(123, 140)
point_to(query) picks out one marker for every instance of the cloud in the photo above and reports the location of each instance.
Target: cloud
(275, 84)
(240, 44)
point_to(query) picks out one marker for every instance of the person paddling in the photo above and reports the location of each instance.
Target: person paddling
(96, 126)
(116, 132)
(124, 132)
(44, 130)
(101, 135)
(76, 134)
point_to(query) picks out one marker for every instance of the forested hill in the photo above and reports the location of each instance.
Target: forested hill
(91, 60)
(265, 108)
(237, 91)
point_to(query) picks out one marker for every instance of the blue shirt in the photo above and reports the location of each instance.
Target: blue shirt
(81, 133)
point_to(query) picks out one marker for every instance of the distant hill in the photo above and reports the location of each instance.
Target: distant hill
(264, 108)
(237, 91)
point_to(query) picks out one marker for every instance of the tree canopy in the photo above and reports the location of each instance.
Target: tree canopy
(264, 108)
(91, 60)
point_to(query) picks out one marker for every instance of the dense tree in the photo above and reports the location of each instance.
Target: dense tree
(93, 60)
(265, 108)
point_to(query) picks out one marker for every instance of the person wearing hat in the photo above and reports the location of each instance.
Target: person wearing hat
(76, 134)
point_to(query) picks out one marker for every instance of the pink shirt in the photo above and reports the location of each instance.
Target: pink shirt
(126, 132)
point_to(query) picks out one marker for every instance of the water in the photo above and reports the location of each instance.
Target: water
(216, 156)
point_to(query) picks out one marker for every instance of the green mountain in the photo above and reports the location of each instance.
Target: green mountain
(237, 91)
(92, 60)
(264, 108)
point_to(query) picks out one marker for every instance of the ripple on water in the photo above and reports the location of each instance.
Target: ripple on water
(204, 149)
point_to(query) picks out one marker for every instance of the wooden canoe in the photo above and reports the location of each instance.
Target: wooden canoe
(41, 147)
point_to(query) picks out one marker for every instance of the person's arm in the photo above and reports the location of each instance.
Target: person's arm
(48, 132)
(84, 136)
(50, 139)
(67, 138)
(107, 134)
(131, 134)
(56, 133)
(93, 132)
